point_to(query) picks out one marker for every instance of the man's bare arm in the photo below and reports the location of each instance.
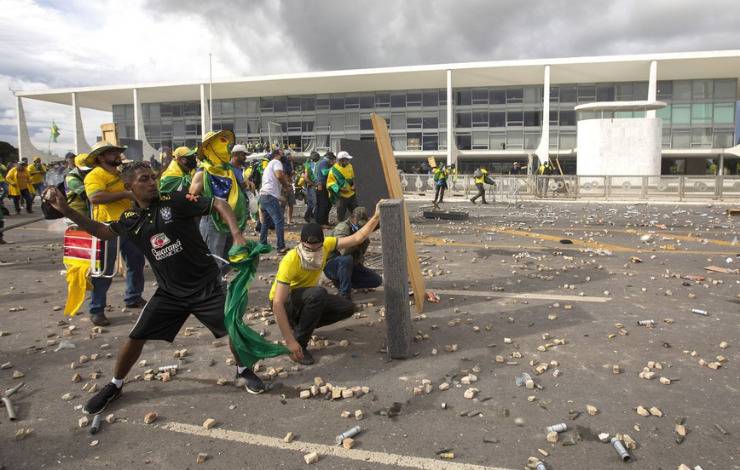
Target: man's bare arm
(96, 229)
(224, 210)
(196, 186)
(360, 235)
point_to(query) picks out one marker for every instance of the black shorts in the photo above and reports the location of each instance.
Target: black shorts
(164, 315)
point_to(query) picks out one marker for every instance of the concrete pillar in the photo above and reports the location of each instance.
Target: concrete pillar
(147, 150)
(543, 149)
(205, 121)
(81, 145)
(137, 116)
(451, 147)
(25, 146)
(652, 86)
(396, 279)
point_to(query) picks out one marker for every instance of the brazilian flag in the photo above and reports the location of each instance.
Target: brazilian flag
(174, 179)
(248, 344)
(219, 181)
(339, 178)
(54, 131)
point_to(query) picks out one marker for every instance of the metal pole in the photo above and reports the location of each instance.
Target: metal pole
(210, 92)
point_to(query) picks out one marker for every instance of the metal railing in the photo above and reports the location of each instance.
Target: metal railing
(513, 187)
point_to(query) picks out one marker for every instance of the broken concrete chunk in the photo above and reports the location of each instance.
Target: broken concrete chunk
(83, 422)
(604, 436)
(289, 438)
(201, 458)
(592, 410)
(209, 423)
(311, 458)
(655, 411)
(18, 374)
(471, 393)
(681, 430)
(642, 411)
(348, 443)
(359, 415)
(552, 437)
(305, 394)
(149, 418)
(110, 419)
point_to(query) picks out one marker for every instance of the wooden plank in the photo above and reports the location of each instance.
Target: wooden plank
(109, 133)
(395, 191)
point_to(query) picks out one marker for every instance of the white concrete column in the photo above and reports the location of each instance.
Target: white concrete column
(25, 146)
(205, 121)
(652, 86)
(81, 145)
(543, 149)
(147, 150)
(451, 147)
(137, 116)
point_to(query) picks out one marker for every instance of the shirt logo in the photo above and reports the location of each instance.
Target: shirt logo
(159, 240)
(166, 213)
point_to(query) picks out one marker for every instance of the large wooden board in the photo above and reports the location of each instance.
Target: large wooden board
(369, 176)
(109, 133)
(395, 191)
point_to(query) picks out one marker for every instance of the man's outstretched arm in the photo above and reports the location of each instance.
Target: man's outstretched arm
(362, 234)
(227, 215)
(54, 197)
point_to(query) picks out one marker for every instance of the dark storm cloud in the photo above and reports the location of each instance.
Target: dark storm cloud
(340, 34)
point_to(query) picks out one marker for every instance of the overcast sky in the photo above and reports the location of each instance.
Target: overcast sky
(51, 44)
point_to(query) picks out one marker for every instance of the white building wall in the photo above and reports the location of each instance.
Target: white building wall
(629, 146)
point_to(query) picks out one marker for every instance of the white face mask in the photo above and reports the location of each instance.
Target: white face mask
(310, 260)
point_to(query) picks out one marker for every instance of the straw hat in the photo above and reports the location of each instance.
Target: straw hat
(99, 148)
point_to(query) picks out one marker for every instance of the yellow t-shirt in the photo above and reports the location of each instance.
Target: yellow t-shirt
(290, 272)
(99, 179)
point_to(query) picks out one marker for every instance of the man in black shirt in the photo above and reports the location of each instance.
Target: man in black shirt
(165, 228)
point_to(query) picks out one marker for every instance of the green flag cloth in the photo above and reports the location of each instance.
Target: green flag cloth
(248, 344)
(54, 131)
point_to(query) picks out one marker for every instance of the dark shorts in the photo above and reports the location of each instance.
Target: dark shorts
(163, 316)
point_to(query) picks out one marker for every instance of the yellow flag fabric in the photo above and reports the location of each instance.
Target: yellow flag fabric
(77, 284)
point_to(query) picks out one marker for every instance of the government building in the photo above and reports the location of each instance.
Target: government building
(684, 104)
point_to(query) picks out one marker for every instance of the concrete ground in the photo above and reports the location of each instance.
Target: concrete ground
(508, 290)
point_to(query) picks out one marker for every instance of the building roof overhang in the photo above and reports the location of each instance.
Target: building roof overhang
(671, 66)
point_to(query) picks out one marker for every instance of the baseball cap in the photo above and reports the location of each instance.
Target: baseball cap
(312, 233)
(344, 155)
(184, 152)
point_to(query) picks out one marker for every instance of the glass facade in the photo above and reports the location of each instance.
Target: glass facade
(700, 113)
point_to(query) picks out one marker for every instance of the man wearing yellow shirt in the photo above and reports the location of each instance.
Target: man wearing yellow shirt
(37, 171)
(19, 186)
(341, 185)
(109, 199)
(300, 305)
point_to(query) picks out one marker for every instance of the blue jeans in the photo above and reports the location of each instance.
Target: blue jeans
(270, 207)
(218, 243)
(310, 203)
(134, 278)
(347, 275)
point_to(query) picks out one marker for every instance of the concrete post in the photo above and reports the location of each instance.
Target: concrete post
(652, 87)
(205, 122)
(81, 145)
(396, 279)
(543, 149)
(451, 147)
(137, 115)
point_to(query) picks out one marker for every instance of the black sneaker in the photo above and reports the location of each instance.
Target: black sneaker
(138, 303)
(308, 359)
(101, 399)
(251, 382)
(99, 319)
